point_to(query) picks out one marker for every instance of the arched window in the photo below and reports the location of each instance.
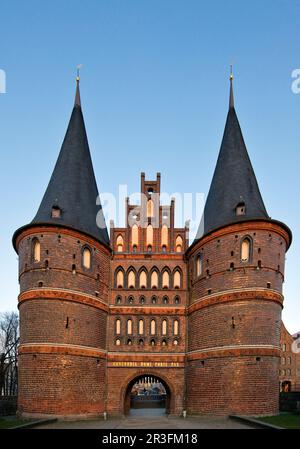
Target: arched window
(165, 280)
(165, 300)
(143, 279)
(131, 279)
(120, 278)
(118, 327)
(141, 327)
(245, 250)
(152, 327)
(120, 243)
(154, 279)
(164, 327)
(178, 244)
(154, 300)
(36, 250)
(129, 327)
(177, 279)
(177, 300)
(86, 258)
(118, 342)
(175, 327)
(149, 236)
(135, 235)
(118, 299)
(199, 265)
(150, 208)
(164, 236)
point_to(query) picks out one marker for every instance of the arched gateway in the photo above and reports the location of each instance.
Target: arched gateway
(147, 391)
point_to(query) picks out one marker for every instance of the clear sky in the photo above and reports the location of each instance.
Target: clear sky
(154, 87)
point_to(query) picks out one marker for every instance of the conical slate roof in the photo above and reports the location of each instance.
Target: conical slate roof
(234, 184)
(72, 189)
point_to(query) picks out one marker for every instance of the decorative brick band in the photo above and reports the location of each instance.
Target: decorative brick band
(147, 310)
(240, 295)
(141, 256)
(235, 351)
(145, 357)
(272, 226)
(65, 349)
(62, 295)
(50, 229)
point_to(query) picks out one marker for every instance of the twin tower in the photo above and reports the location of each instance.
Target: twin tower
(100, 313)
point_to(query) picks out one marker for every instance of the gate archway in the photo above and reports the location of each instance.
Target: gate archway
(147, 391)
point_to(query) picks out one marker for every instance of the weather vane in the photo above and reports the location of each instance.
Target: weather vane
(78, 71)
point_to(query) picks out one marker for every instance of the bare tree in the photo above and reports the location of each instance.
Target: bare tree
(9, 340)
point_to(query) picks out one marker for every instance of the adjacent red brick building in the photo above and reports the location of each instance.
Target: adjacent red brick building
(289, 370)
(98, 313)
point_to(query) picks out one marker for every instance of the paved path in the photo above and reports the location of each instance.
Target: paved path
(150, 419)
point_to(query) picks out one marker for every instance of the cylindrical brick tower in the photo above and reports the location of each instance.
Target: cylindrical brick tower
(236, 271)
(64, 257)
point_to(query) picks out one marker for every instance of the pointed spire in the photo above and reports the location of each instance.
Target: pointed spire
(71, 198)
(77, 95)
(231, 98)
(234, 193)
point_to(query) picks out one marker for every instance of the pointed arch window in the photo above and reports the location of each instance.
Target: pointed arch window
(129, 327)
(246, 249)
(143, 279)
(86, 258)
(178, 244)
(154, 279)
(131, 279)
(134, 235)
(36, 250)
(120, 244)
(152, 327)
(165, 279)
(177, 279)
(175, 327)
(120, 278)
(150, 209)
(149, 236)
(199, 264)
(164, 327)
(118, 326)
(141, 327)
(164, 236)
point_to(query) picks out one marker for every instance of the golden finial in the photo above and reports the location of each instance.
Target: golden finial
(78, 72)
(231, 73)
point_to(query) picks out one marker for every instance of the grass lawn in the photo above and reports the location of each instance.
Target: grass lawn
(286, 420)
(6, 422)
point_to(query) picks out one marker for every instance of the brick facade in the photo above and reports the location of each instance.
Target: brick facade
(289, 369)
(211, 337)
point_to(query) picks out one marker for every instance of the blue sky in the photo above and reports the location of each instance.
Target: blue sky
(154, 83)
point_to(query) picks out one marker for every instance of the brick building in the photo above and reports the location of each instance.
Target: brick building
(289, 370)
(97, 313)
